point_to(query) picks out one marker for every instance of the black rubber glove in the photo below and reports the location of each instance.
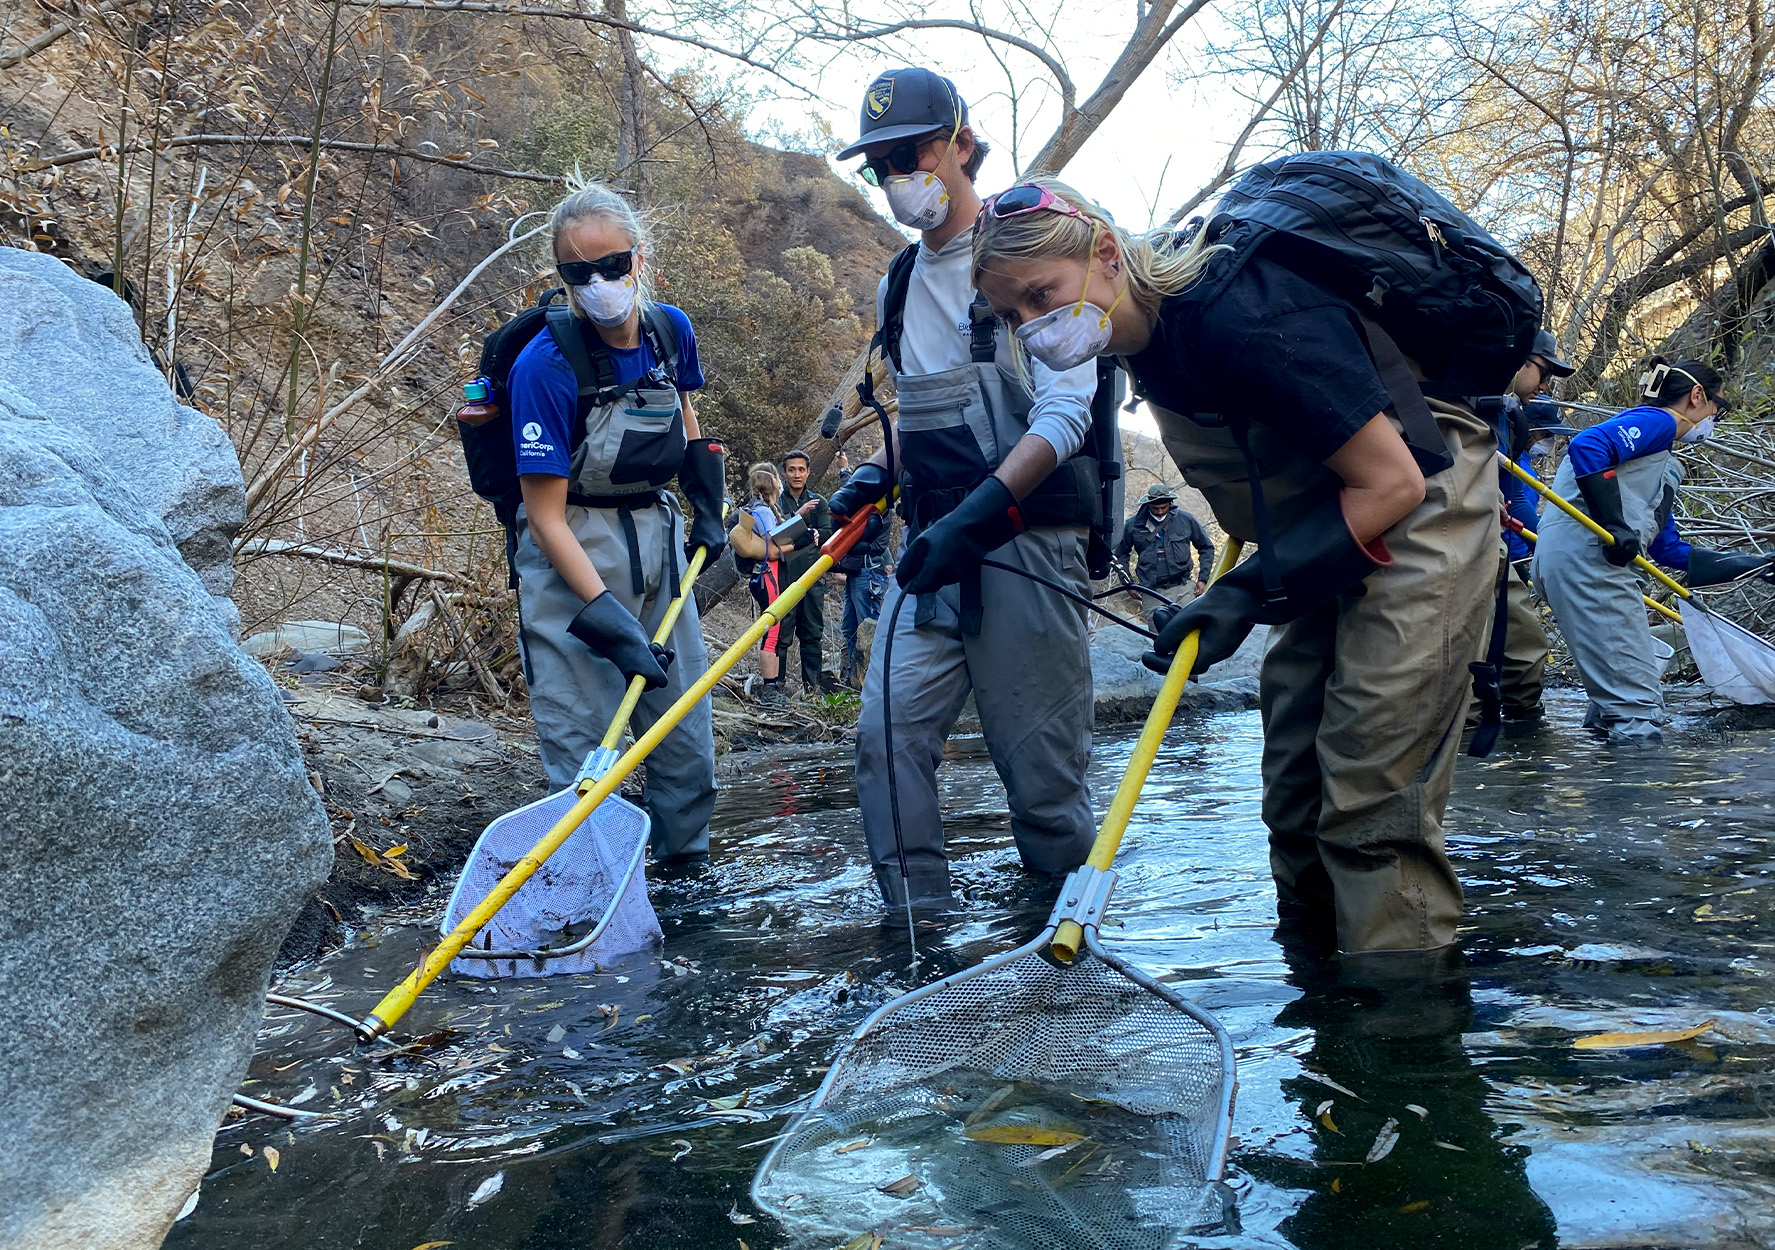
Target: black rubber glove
(1317, 558)
(703, 475)
(868, 484)
(947, 550)
(1708, 567)
(1602, 495)
(612, 631)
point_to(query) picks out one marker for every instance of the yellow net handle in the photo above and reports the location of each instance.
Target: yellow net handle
(1070, 935)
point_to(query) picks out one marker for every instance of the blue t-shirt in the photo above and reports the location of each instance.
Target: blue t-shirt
(545, 394)
(1633, 434)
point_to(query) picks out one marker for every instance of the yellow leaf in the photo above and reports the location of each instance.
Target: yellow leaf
(433, 1245)
(1326, 1120)
(391, 852)
(1337, 1184)
(900, 1188)
(1022, 1135)
(1412, 1208)
(850, 1146)
(368, 852)
(271, 1156)
(1611, 1041)
(863, 1241)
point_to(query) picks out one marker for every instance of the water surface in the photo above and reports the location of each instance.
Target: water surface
(1607, 891)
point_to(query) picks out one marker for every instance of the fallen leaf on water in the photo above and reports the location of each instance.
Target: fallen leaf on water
(1328, 1083)
(850, 1146)
(246, 1150)
(1337, 1184)
(683, 1148)
(188, 1208)
(485, 1191)
(1022, 1135)
(272, 1157)
(1323, 1108)
(729, 1103)
(1055, 1153)
(1384, 1141)
(739, 1217)
(863, 1241)
(901, 1187)
(1328, 1122)
(1422, 1113)
(743, 1245)
(992, 1103)
(556, 1034)
(433, 1245)
(569, 1053)
(1412, 1208)
(1448, 1145)
(611, 1014)
(640, 1019)
(1610, 1041)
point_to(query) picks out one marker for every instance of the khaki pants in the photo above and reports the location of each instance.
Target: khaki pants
(1363, 702)
(1525, 651)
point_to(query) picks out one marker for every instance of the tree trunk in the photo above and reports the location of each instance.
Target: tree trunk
(631, 127)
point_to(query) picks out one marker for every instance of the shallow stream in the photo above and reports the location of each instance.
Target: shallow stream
(1607, 891)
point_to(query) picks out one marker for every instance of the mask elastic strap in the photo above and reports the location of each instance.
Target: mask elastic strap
(1078, 309)
(955, 108)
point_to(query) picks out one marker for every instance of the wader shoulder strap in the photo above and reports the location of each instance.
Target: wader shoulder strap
(1422, 435)
(982, 332)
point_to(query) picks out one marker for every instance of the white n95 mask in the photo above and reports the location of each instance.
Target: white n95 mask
(1698, 434)
(607, 303)
(918, 201)
(1067, 337)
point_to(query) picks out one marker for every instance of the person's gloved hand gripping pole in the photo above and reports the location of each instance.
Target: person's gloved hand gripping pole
(703, 475)
(603, 624)
(1324, 553)
(1602, 498)
(949, 549)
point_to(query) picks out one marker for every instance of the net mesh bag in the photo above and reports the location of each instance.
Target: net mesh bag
(566, 897)
(1019, 1104)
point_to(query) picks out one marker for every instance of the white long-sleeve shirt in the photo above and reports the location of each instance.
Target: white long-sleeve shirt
(937, 336)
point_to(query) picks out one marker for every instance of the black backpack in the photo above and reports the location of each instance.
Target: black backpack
(488, 449)
(1425, 280)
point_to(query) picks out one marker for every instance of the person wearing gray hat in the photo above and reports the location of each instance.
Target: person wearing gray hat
(1160, 536)
(991, 458)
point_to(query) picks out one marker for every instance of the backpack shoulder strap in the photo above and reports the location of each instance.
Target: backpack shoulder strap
(591, 363)
(893, 303)
(662, 333)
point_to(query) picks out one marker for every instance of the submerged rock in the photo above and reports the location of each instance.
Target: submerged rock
(160, 829)
(1124, 688)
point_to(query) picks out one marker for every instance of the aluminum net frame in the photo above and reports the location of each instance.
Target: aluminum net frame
(1099, 1031)
(589, 899)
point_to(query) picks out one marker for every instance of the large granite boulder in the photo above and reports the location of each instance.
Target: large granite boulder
(72, 349)
(159, 830)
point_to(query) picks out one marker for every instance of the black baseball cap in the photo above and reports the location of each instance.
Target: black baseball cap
(1547, 348)
(905, 102)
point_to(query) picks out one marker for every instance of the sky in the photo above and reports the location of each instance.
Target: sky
(1163, 141)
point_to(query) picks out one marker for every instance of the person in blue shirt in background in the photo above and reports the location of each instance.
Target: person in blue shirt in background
(601, 546)
(1622, 473)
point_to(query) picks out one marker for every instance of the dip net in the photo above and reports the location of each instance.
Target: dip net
(585, 906)
(1020, 1103)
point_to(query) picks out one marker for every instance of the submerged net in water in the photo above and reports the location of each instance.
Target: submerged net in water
(1018, 1104)
(566, 897)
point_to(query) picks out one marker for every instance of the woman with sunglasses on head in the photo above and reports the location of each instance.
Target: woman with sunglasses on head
(602, 423)
(987, 458)
(1622, 473)
(1381, 578)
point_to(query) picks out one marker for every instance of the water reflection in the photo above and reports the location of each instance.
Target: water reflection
(1605, 892)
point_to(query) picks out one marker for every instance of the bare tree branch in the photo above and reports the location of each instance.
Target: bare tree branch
(345, 559)
(251, 141)
(30, 49)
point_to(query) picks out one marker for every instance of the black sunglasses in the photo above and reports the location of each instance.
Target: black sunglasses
(610, 268)
(902, 158)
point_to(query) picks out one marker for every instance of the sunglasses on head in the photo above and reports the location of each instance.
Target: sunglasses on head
(1027, 198)
(610, 268)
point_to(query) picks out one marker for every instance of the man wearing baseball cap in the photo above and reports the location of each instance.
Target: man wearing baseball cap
(988, 458)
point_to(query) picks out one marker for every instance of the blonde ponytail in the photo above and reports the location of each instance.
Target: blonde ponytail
(1159, 264)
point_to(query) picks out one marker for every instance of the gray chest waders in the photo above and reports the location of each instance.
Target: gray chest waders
(632, 447)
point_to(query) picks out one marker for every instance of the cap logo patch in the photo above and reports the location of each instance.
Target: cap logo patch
(880, 98)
